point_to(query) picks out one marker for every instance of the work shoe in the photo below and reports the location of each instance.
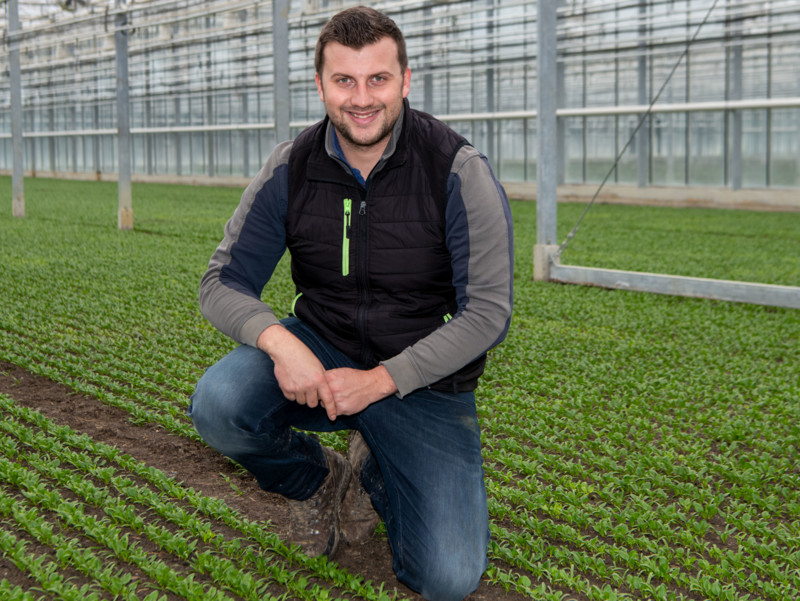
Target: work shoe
(359, 518)
(315, 521)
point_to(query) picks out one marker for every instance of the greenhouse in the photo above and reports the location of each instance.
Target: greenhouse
(211, 86)
(612, 346)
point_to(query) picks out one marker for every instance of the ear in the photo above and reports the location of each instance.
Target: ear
(319, 87)
(406, 82)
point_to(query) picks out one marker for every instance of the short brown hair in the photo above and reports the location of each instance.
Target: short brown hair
(358, 27)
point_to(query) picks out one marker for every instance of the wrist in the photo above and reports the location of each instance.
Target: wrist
(270, 339)
(384, 381)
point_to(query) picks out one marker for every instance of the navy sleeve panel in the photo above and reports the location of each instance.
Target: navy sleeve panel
(254, 242)
(481, 244)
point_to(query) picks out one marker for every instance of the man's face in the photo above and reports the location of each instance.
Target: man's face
(363, 91)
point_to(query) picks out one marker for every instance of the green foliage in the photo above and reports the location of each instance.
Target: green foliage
(636, 446)
(125, 507)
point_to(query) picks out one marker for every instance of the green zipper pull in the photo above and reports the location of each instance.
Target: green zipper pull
(348, 211)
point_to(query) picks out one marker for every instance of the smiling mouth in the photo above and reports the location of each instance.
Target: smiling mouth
(363, 115)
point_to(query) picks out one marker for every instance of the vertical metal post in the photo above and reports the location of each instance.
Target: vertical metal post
(667, 134)
(73, 141)
(491, 143)
(34, 146)
(643, 135)
(768, 170)
(96, 125)
(245, 94)
(125, 213)
(546, 130)
(245, 135)
(561, 125)
(209, 136)
(736, 115)
(179, 138)
(149, 138)
(15, 81)
(584, 119)
(617, 120)
(687, 116)
(51, 140)
(280, 57)
(427, 58)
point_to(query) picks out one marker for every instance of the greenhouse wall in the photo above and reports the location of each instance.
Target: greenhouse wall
(202, 94)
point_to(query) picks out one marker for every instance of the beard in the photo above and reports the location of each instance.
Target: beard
(365, 138)
(345, 130)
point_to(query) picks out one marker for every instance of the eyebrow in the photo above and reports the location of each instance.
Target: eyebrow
(336, 74)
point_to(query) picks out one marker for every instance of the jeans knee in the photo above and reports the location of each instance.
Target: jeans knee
(448, 574)
(452, 581)
(214, 413)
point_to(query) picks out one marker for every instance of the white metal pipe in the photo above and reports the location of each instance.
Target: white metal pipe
(756, 104)
(726, 290)
(722, 105)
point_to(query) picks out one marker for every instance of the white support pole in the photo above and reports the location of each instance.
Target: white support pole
(125, 212)
(15, 81)
(546, 133)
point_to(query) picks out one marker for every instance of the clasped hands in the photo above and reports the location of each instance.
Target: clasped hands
(303, 379)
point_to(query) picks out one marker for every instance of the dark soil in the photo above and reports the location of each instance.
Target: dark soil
(192, 463)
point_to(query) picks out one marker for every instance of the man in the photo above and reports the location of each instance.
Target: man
(401, 246)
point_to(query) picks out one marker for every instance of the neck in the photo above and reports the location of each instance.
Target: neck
(363, 158)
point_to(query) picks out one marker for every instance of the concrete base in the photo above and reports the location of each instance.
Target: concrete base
(18, 207)
(125, 219)
(541, 261)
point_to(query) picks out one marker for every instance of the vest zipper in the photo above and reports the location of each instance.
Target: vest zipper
(363, 287)
(348, 211)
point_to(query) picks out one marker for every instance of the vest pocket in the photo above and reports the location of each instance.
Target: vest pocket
(348, 211)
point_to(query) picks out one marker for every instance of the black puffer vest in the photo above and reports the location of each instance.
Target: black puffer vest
(371, 267)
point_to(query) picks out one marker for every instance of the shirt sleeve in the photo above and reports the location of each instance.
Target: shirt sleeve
(479, 231)
(253, 244)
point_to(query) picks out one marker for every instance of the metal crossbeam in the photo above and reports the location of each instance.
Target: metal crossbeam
(724, 290)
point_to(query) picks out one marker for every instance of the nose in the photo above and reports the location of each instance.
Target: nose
(362, 96)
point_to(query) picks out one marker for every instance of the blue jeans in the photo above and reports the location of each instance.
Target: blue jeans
(425, 474)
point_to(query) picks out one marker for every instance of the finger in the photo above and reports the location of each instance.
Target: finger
(302, 397)
(327, 401)
(312, 400)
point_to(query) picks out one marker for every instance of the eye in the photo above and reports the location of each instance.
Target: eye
(344, 81)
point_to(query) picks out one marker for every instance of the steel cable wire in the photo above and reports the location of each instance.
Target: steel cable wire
(643, 118)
